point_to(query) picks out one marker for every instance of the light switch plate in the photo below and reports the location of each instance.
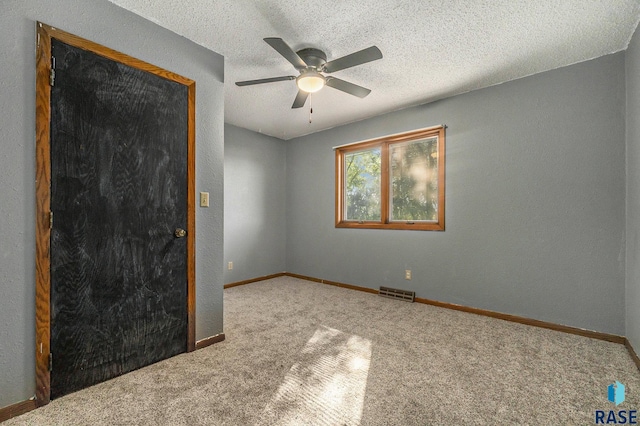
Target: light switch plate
(204, 199)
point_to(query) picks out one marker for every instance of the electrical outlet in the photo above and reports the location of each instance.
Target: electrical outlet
(230, 265)
(407, 274)
(204, 199)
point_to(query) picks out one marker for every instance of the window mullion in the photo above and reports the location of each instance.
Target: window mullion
(339, 182)
(384, 183)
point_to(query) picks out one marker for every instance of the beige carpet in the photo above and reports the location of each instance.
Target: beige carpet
(302, 353)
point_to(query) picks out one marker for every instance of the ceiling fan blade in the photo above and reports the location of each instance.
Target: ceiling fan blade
(361, 57)
(350, 88)
(264, 80)
(283, 48)
(301, 98)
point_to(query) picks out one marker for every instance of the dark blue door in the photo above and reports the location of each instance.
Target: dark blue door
(118, 194)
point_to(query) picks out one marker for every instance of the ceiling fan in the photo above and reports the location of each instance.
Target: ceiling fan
(311, 64)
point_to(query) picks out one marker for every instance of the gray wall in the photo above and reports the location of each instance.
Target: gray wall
(633, 192)
(107, 24)
(535, 196)
(254, 204)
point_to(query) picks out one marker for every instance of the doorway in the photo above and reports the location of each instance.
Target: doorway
(115, 214)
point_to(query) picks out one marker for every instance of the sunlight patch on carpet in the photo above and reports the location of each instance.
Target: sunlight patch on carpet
(326, 386)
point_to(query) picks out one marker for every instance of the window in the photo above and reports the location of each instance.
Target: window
(395, 182)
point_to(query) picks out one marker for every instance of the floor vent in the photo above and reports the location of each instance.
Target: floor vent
(394, 293)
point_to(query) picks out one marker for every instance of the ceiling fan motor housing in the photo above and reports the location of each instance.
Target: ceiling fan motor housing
(313, 57)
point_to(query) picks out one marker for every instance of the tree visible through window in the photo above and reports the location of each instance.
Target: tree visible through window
(395, 182)
(363, 185)
(414, 180)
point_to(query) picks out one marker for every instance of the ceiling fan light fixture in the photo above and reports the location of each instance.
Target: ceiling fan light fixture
(310, 81)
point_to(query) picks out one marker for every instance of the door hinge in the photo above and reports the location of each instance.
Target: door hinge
(50, 220)
(50, 361)
(52, 73)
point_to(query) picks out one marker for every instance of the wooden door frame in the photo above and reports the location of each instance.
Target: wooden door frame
(43, 191)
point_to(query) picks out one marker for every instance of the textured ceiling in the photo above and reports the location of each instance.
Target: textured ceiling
(432, 48)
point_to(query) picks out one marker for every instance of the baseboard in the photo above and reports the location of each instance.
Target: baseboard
(506, 317)
(14, 410)
(209, 341)
(334, 283)
(527, 321)
(632, 352)
(254, 280)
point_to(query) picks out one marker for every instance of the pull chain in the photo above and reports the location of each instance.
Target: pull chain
(310, 107)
